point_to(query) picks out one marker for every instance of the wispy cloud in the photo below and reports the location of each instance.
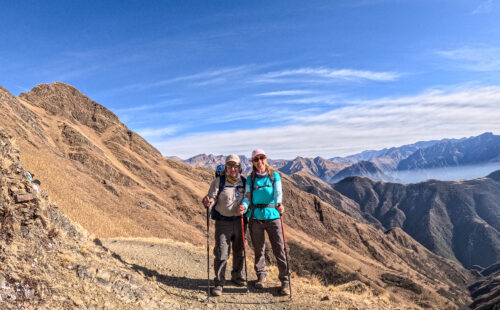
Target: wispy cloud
(285, 93)
(221, 74)
(475, 59)
(238, 76)
(326, 74)
(155, 133)
(484, 7)
(147, 107)
(204, 78)
(359, 126)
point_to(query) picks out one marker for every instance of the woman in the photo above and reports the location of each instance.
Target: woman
(227, 190)
(262, 204)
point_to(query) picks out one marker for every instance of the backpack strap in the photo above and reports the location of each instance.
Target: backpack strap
(252, 188)
(271, 177)
(252, 181)
(222, 182)
(214, 215)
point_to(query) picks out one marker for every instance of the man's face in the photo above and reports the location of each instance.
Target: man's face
(232, 169)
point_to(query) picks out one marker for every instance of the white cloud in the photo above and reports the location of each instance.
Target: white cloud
(359, 126)
(285, 93)
(207, 76)
(321, 73)
(475, 59)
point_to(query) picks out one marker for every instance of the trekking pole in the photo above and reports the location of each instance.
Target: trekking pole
(244, 248)
(208, 250)
(286, 257)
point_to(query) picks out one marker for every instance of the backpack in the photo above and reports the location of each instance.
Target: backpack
(252, 188)
(219, 173)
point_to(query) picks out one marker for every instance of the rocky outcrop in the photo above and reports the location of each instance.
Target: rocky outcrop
(318, 167)
(62, 99)
(486, 290)
(47, 261)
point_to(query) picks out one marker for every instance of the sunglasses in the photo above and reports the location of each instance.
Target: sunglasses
(232, 166)
(256, 159)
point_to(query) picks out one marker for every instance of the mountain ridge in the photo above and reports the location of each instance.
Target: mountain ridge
(442, 215)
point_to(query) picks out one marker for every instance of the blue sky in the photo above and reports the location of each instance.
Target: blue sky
(296, 78)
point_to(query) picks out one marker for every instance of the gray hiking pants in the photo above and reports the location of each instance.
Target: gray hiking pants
(227, 232)
(273, 229)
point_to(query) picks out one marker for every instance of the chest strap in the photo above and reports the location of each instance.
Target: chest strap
(264, 206)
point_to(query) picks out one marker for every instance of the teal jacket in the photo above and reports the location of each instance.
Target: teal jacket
(266, 193)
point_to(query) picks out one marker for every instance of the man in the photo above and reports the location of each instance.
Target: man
(228, 190)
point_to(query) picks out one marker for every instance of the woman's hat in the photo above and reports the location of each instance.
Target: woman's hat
(258, 152)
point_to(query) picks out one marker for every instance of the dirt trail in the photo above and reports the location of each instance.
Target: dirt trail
(181, 271)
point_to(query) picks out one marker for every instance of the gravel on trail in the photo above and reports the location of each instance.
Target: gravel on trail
(181, 271)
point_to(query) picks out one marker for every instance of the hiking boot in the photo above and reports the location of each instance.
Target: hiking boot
(260, 282)
(239, 281)
(284, 289)
(216, 291)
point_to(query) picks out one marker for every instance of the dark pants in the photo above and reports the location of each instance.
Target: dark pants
(227, 232)
(273, 229)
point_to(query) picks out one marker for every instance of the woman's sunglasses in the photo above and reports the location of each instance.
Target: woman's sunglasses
(256, 159)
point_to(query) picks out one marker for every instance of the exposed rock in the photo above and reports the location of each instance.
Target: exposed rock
(402, 282)
(44, 257)
(23, 197)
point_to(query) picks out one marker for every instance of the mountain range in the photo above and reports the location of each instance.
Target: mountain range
(111, 181)
(447, 159)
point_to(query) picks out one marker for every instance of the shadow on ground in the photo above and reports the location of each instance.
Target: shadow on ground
(199, 286)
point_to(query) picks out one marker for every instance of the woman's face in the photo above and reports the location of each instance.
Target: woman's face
(232, 169)
(259, 163)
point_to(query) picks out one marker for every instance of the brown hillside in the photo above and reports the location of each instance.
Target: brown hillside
(112, 182)
(84, 157)
(46, 262)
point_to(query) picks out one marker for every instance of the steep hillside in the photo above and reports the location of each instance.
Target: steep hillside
(338, 249)
(310, 184)
(46, 262)
(458, 220)
(112, 182)
(486, 290)
(83, 154)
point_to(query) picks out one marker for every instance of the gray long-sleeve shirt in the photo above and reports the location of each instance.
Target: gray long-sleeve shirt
(229, 199)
